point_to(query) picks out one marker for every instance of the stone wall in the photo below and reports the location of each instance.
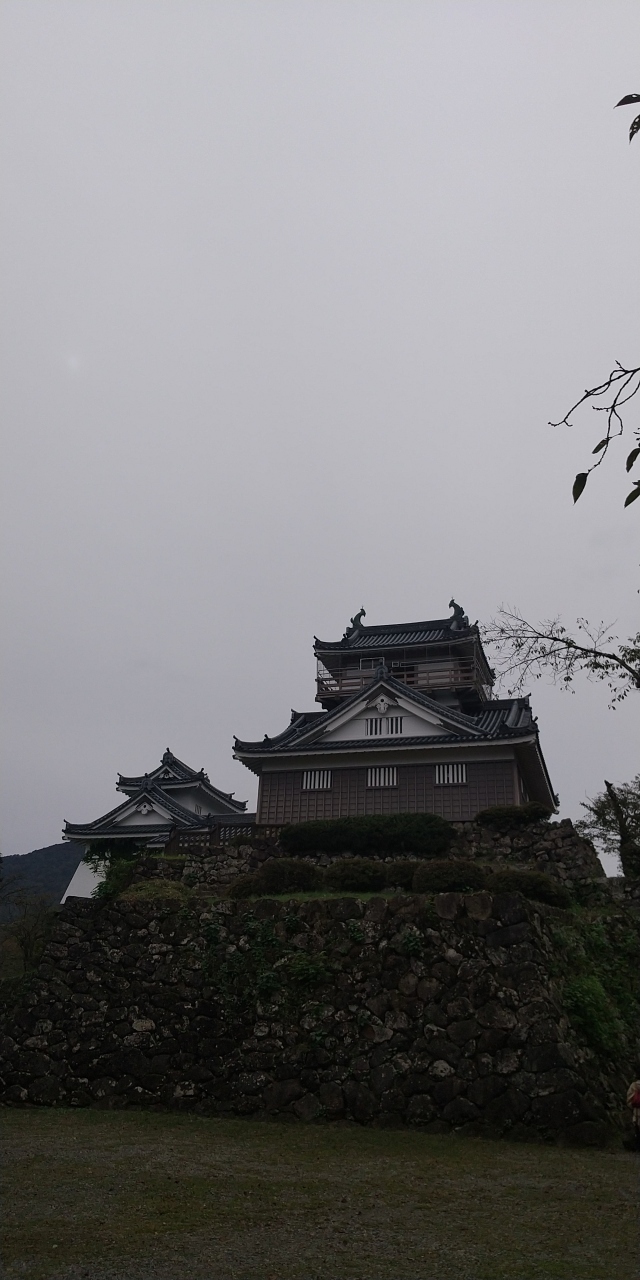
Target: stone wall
(438, 1012)
(552, 847)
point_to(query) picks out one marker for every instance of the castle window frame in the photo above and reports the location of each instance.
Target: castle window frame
(451, 775)
(373, 727)
(317, 779)
(382, 776)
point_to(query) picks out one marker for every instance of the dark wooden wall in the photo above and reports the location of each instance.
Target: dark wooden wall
(281, 798)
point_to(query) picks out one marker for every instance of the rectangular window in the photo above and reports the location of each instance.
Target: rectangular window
(377, 727)
(384, 776)
(448, 775)
(316, 780)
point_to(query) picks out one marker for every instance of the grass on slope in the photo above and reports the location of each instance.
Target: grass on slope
(115, 1195)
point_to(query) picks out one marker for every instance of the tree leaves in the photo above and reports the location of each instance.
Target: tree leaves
(628, 99)
(601, 445)
(635, 493)
(579, 484)
(635, 453)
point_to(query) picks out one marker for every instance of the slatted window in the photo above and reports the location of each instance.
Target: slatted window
(448, 775)
(316, 780)
(383, 776)
(383, 726)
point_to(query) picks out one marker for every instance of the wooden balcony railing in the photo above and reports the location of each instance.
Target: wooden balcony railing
(439, 674)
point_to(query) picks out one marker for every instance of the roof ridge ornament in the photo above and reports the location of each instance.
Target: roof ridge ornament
(356, 623)
(459, 621)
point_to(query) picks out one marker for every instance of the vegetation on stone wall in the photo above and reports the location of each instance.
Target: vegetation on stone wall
(512, 817)
(117, 861)
(424, 835)
(369, 875)
(266, 970)
(598, 963)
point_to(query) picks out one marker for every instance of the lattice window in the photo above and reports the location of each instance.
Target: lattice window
(316, 780)
(394, 724)
(448, 775)
(382, 776)
(374, 726)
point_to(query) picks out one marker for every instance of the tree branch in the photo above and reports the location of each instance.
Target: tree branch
(526, 650)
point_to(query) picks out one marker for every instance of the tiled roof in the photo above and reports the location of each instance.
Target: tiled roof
(396, 634)
(506, 718)
(183, 776)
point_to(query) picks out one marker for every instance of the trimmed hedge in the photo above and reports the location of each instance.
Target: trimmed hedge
(449, 877)
(278, 875)
(509, 817)
(424, 835)
(399, 875)
(532, 884)
(357, 874)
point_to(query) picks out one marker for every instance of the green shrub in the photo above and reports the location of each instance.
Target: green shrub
(532, 884)
(278, 875)
(281, 875)
(593, 1012)
(400, 873)
(356, 874)
(449, 876)
(245, 887)
(424, 835)
(510, 817)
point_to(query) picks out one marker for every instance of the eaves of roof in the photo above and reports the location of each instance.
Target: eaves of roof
(152, 793)
(398, 634)
(515, 710)
(385, 744)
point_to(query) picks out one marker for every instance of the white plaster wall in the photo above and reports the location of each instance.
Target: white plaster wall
(412, 726)
(82, 882)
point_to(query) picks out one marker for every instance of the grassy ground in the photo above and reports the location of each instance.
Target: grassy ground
(132, 1195)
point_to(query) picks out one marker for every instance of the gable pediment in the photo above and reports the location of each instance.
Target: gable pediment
(142, 811)
(383, 715)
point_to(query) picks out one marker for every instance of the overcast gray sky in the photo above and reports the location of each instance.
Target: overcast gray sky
(291, 289)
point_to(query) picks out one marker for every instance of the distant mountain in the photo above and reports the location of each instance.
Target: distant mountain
(46, 872)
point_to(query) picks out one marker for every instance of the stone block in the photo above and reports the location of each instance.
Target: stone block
(361, 1102)
(448, 905)
(558, 1111)
(281, 1094)
(461, 1032)
(547, 1057)
(45, 1091)
(478, 905)
(382, 1078)
(446, 1090)
(307, 1108)
(482, 1091)
(460, 1111)
(509, 908)
(332, 1099)
(420, 1109)
(510, 935)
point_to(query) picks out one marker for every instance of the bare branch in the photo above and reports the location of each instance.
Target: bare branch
(526, 650)
(619, 388)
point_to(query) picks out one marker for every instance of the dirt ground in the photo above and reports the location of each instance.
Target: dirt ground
(136, 1196)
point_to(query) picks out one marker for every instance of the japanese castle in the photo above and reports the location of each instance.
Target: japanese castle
(407, 724)
(173, 798)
